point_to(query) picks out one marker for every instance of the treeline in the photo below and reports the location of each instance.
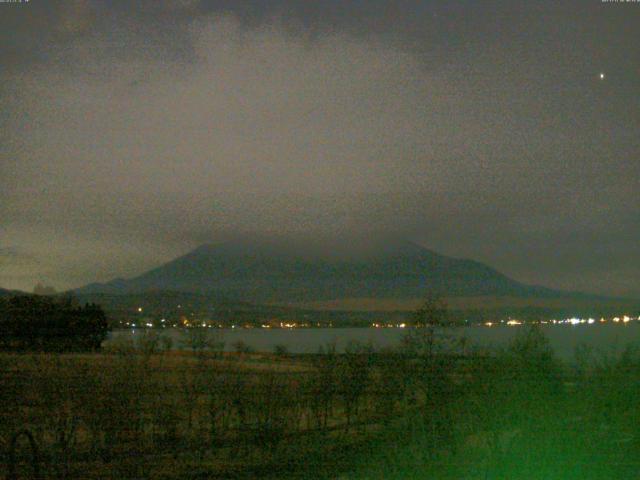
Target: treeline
(33, 322)
(537, 314)
(521, 413)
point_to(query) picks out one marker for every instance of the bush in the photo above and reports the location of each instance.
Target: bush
(31, 322)
(201, 339)
(242, 347)
(281, 350)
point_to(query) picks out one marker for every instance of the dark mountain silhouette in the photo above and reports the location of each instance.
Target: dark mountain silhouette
(10, 293)
(283, 271)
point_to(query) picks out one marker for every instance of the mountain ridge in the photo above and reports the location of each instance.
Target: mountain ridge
(284, 271)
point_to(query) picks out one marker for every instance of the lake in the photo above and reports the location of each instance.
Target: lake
(609, 337)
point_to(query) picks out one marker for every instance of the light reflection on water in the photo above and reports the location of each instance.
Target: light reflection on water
(607, 338)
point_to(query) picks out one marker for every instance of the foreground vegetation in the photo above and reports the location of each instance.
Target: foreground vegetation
(53, 324)
(417, 412)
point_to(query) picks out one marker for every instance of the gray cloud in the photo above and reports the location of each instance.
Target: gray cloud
(138, 134)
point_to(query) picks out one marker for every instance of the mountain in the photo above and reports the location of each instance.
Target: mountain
(274, 270)
(10, 293)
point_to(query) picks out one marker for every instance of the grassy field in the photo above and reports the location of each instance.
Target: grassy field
(412, 413)
(129, 414)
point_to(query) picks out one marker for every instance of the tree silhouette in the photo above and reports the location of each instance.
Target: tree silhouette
(32, 322)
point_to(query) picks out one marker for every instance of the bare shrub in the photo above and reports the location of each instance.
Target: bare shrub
(242, 347)
(199, 339)
(353, 377)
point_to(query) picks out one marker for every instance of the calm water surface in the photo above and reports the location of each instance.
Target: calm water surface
(608, 338)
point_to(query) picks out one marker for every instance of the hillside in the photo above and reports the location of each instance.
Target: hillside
(10, 293)
(279, 271)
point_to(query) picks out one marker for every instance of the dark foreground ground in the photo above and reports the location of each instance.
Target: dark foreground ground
(413, 413)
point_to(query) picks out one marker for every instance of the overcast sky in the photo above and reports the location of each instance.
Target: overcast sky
(132, 132)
